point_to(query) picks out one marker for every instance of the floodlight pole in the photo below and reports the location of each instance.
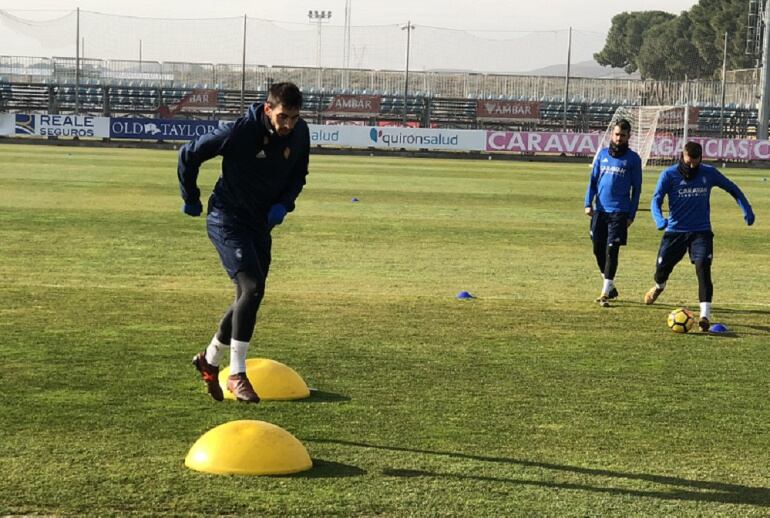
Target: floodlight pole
(724, 81)
(408, 28)
(764, 104)
(346, 46)
(566, 80)
(77, 61)
(243, 66)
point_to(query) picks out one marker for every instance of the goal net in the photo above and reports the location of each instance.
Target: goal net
(658, 133)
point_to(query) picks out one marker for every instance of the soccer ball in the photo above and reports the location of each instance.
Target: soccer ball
(680, 320)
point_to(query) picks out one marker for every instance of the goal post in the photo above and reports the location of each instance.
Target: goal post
(658, 133)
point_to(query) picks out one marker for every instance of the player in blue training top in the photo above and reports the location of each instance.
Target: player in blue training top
(688, 226)
(264, 164)
(611, 201)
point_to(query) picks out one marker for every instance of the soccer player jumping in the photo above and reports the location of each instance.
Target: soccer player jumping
(265, 157)
(616, 184)
(688, 186)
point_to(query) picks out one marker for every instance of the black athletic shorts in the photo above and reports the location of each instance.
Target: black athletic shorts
(673, 245)
(609, 227)
(240, 247)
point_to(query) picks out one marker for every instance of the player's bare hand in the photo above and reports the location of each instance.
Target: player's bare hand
(589, 211)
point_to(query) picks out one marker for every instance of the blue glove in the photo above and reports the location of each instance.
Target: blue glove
(749, 218)
(664, 224)
(193, 208)
(275, 215)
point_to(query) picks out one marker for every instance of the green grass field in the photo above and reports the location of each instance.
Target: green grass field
(529, 400)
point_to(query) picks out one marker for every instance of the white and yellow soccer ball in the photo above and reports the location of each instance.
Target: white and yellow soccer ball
(680, 320)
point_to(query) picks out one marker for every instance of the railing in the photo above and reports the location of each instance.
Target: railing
(135, 99)
(61, 70)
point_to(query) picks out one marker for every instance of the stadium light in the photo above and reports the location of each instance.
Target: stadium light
(319, 17)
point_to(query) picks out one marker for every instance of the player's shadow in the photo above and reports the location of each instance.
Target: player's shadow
(319, 396)
(753, 496)
(640, 303)
(726, 334)
(328, 469)
(677, 488)
(731, 311)
(670, 307)
(756, 331)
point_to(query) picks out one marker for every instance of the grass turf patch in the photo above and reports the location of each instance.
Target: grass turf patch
(527, 400)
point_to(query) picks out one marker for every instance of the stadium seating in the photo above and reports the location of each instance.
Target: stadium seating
(141, 98)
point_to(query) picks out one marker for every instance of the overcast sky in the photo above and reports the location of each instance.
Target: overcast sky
(493, 15)
(485, 35)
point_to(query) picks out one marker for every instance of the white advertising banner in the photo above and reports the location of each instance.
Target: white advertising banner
(46, 125)
(7, 123)
(387, 137)
(542, 142)
(390, 137)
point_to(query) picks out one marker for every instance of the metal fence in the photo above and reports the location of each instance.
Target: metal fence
(62, 70)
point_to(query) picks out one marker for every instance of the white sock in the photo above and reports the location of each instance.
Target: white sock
(660, 286)
(705, 310)
(608, 284)
(215, 351)
(238, 352)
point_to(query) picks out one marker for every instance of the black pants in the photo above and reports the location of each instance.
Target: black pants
(609, 231)
(699, 246)
(245, 253)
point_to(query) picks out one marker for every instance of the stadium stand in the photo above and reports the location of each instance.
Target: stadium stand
(148, 90)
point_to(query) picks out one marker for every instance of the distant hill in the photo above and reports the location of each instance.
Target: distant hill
(590, 69)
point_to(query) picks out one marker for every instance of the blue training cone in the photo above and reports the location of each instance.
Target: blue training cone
(464, 295)
(718, 328)
(354, 199)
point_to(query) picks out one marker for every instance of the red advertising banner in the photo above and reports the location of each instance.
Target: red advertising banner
(199, 98)
(367, 105)
(396, 124)
(675, 117)
(508, 110)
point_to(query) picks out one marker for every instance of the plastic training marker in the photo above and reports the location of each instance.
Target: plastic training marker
(272, 380)
(354, 200)
(718, 328)
(248, 448)
(464, 295)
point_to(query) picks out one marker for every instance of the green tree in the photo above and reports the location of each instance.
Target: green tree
(711, 19)
(626, 36)
(665, 46)
(669, 53)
